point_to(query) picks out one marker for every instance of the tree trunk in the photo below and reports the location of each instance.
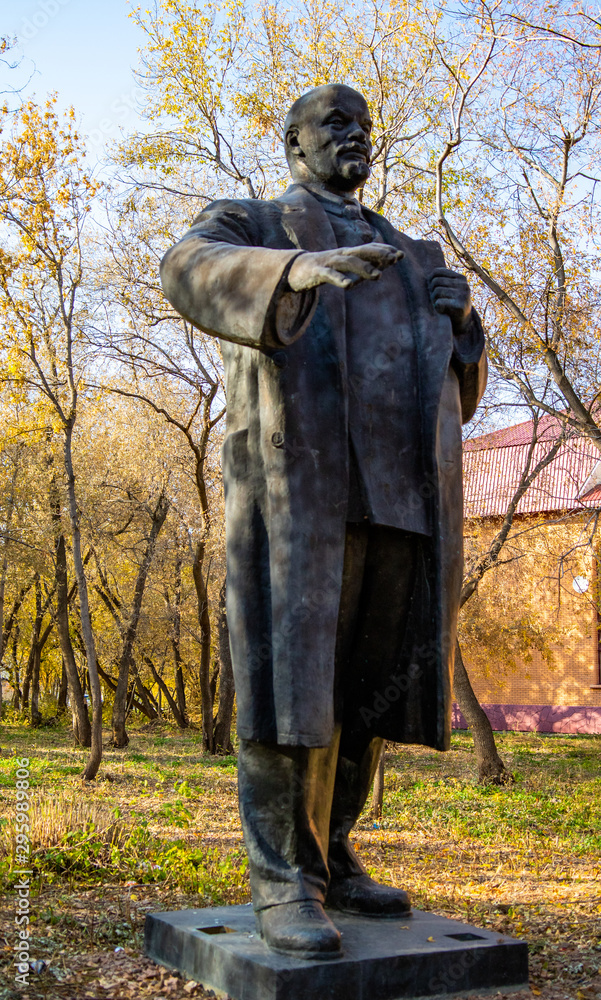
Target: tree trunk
(91, 768)
(176, 623)
(491, 769)
(111, 683)
(35, 639)
(490, 766)
(16, 688)
(120, 738)
(204, 672)
(149, 710)
(4, 566)
(179, 718)
(82, 730)
(180, 694)
(377, 795)
(31, 681)
(225, 708)
(61, 704)
(35, 714)
(27, 679)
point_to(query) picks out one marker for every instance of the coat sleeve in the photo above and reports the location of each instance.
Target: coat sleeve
(223, 281)
(470, 364)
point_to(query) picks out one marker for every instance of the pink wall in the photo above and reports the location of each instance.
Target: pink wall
(538, 718)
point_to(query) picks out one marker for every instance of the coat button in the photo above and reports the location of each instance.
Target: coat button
(279, 359)
(277, 439)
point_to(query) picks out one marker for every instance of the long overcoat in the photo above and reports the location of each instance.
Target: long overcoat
(286, 465)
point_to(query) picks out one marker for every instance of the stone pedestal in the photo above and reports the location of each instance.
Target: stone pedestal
(419, 956)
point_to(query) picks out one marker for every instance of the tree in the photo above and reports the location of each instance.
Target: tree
(128, 624)
(13, 458)
(495, 147)
(526, 223)
(530, 232)
(140, 573)
(176, 371)
(223, 719)
(81, 721)
(221, 76)
(45, 200)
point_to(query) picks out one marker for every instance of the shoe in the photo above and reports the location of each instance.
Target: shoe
(301, 929)
(359, 894)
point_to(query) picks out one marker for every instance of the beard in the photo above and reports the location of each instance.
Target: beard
(349, 172)
(335, 168)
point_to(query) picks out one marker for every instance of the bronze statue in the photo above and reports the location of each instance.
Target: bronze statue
(352, 356)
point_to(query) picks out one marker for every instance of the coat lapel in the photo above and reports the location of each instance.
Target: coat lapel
(307, 226)
(305, 221)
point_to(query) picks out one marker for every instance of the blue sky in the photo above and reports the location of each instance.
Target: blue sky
(83, 49)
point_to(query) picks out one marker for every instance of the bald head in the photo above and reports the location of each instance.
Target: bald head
(307, 104)
(327, 138)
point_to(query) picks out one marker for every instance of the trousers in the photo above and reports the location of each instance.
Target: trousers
(298, 805)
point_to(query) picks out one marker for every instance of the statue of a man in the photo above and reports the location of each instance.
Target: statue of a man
(352, 356)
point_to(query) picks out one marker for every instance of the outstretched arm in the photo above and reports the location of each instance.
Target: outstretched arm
(222, 280)
(233, 291)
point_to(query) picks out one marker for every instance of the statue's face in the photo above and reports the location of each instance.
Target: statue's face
(331, 143)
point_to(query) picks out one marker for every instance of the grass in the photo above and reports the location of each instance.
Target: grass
(159, 829)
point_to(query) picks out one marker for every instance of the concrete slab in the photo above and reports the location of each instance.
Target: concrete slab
(420, 956)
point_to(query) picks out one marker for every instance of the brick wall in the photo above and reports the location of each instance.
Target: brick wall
(569, 680)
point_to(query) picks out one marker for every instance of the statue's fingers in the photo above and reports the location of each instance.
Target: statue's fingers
(358, 266)
(444, 305)
(446, 272)
(332, 276)
(374, 252)
(458, 294)
(379, 251)
(448, 293)
(449, 281)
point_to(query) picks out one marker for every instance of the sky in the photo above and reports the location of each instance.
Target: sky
(86, 51)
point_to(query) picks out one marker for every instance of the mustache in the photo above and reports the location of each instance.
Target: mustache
(354, 147)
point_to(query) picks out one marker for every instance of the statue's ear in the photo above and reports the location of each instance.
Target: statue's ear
(292, 142)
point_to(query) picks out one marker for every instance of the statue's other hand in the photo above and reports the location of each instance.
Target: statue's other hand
(342, 267)
(450, 294)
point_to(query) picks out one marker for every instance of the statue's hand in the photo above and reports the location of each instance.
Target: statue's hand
(450, 294)
(343, 267)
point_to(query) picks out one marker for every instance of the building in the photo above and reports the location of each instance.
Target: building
(549, 581)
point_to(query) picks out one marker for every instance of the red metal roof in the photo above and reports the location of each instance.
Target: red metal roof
(548, 429)
(592, 498)
(493, 465)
